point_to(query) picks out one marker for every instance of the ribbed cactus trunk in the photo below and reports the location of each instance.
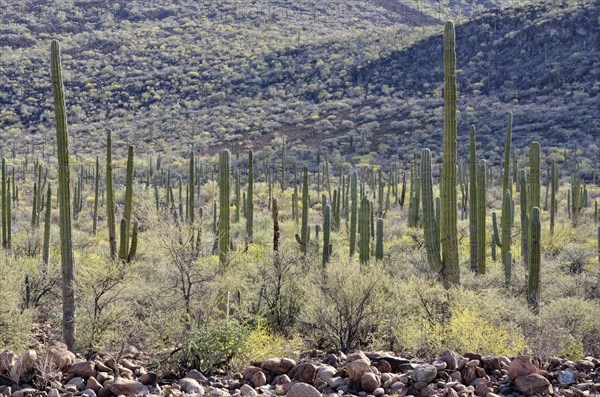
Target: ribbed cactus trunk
(506, 185)
(524, 218)
(64, 194)
(353, 211)
(4, 206)
(534, 176)
(191, 197)
(47, 220)
(481, 207)
(224, 236)
(379, 240)
(432, 238)
(124, 243)
(110, 199)
(326, 235)
(364, 226)
(303, 238)
(250, 199)
(448, 223)
(506, 236)
(473, 200)
(96, 189)
(553, 192)
(534, 285)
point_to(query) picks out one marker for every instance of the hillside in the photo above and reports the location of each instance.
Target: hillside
(354, 77)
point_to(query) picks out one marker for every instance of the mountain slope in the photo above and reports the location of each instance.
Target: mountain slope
(347, 77)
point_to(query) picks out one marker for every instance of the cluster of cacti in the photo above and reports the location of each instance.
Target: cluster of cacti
(353, 211)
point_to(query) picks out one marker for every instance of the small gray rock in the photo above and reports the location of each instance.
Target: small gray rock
(567, 377)
(303, 390)
(424, 373)
(189, 385)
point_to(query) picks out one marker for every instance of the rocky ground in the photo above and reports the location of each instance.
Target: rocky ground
(56, 372)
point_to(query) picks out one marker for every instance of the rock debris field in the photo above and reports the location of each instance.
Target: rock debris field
(56, 372)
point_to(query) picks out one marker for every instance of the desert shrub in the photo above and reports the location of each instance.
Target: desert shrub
(15, 320)
(345, 304)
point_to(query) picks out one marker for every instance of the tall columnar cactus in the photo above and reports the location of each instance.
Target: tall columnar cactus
(224, 240)
(524, 218)
(326, 235)
(47, 220)
(553, 192)
(191, 198)
(302, 239)
(64, 180)
(504, 240)
(96, 190)
(506, 185)
(364, 231)
(432, 238)
(577, 196)
(534, 176)
(124, 243)
(473, 200)
(534, 285)
(236, 200)
(448, 223)
(276, 232)
(250, 199)
(353, 211)
(379, 240)
(110, 200)
(481, 206)
(4, 206)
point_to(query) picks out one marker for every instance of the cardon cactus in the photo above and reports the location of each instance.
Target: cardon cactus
(448, 222)
(303, 238)
(379, 240)
(473, 200)
(326, 234)
(64, 181)
(481, 206)
(250, 199)
(124, 253)
(223, 227)
(353, 211)
(364, 226)
(534, 285)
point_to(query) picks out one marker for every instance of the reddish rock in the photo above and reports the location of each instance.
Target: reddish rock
(93, 384)
(149, 378)
(303, 390)
(127, 387)
(358, 356)
(7, 360)
(84, 369)
(532, 383)
(281, 380)
(259, 379)
(304, 372)
(249, 373)
(278, 366)
(59, 356)
(450, 358)
(369, 382)
(383, 366)
(482, 390)
(491, 362)
(520, 366)
(356, 369)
